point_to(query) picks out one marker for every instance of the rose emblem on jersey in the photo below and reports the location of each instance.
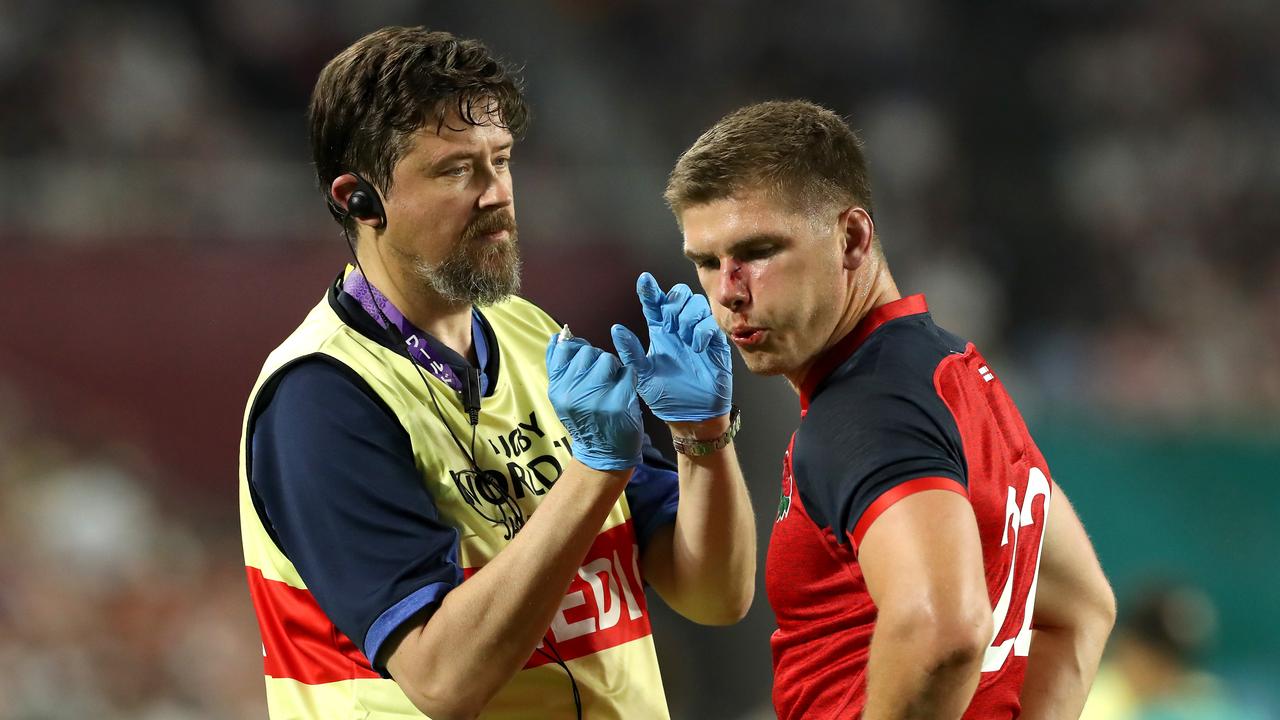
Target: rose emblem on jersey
(788, 484)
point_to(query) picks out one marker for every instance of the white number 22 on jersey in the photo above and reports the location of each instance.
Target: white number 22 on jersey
(1018, 517)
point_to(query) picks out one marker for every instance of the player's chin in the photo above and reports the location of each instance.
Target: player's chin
(761, 362)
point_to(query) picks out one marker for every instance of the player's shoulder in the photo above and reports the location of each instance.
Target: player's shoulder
(906, 349)
(898, 362)
(882, 392)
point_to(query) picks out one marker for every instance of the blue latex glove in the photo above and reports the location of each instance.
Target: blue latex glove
(595, 398)
(687, 375)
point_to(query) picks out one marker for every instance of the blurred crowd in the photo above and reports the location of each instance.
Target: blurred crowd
(1166, 173)
(116, 601)
(1090, 190)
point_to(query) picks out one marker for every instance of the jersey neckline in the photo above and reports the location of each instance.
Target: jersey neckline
(834, 356)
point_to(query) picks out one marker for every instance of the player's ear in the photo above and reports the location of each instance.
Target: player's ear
(859, 231)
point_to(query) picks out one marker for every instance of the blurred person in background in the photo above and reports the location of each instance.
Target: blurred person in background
(1152, 668)
(922, 563)
(418, 430)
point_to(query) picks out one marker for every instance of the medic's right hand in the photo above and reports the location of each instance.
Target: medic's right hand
(595, 397)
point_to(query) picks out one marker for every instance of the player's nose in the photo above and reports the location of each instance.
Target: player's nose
(731, 287)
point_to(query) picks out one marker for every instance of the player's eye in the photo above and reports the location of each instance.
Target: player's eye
(759, 253)
(708, 264)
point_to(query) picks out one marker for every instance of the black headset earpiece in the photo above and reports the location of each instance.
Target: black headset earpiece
(363, 204)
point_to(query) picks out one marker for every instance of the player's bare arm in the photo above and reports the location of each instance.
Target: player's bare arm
(1074, 612)
(922, 561)
(704, 564)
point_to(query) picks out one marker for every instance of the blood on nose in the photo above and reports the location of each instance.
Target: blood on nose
(733, 291)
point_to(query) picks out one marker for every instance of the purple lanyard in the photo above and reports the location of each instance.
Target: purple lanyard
(382, 310)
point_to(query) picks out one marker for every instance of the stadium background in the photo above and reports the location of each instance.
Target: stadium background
(1090, 190)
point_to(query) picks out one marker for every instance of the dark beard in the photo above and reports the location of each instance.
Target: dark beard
(479, 273)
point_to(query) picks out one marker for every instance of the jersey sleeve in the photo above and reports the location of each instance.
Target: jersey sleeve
(339, 491)
(864, 448)
(653, 493)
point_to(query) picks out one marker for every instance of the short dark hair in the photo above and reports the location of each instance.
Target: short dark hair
(801, 152)
(373, 96)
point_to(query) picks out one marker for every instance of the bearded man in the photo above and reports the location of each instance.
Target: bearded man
(448, 507)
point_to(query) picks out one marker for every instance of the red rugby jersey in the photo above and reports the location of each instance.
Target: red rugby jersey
(896, 407)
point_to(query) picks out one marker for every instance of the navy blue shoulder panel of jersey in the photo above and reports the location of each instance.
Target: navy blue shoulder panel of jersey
(877, 422)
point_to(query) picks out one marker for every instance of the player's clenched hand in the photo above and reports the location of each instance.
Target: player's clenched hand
(595, 398)
(687, 375)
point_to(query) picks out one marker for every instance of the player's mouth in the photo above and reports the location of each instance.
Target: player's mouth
(494, 237)
(748, 337)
